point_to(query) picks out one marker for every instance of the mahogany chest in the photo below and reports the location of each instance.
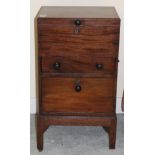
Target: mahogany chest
(77, 68)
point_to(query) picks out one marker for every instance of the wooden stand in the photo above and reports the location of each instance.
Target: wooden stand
(43, 122)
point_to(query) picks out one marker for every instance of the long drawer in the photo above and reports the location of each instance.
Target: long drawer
(77, 95)
(78, 63)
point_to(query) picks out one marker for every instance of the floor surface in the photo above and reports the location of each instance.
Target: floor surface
(71, 140)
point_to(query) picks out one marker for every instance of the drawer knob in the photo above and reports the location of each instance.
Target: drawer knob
(77, 88)
(56, 65)
(77, 22)
(99, 66)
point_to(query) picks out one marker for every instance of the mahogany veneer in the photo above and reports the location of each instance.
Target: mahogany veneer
(77, 61)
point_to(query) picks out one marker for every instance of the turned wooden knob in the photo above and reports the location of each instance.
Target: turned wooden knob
(56, 65)
(78, 88)
(99, 66)
(77, 22)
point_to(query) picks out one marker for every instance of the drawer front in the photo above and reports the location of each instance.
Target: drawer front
(65, 35)
(78, 63)
(91, 95)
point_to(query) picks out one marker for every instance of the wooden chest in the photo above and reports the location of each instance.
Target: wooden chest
(77, 68)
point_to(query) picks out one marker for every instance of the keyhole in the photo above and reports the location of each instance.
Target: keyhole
(77, 30)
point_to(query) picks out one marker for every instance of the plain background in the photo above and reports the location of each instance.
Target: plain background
(139, 75)
(35, 6)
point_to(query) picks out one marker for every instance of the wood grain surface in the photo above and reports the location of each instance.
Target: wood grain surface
(59, 95)
(78, 63)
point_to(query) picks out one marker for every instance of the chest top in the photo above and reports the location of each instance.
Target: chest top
(77, 12)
